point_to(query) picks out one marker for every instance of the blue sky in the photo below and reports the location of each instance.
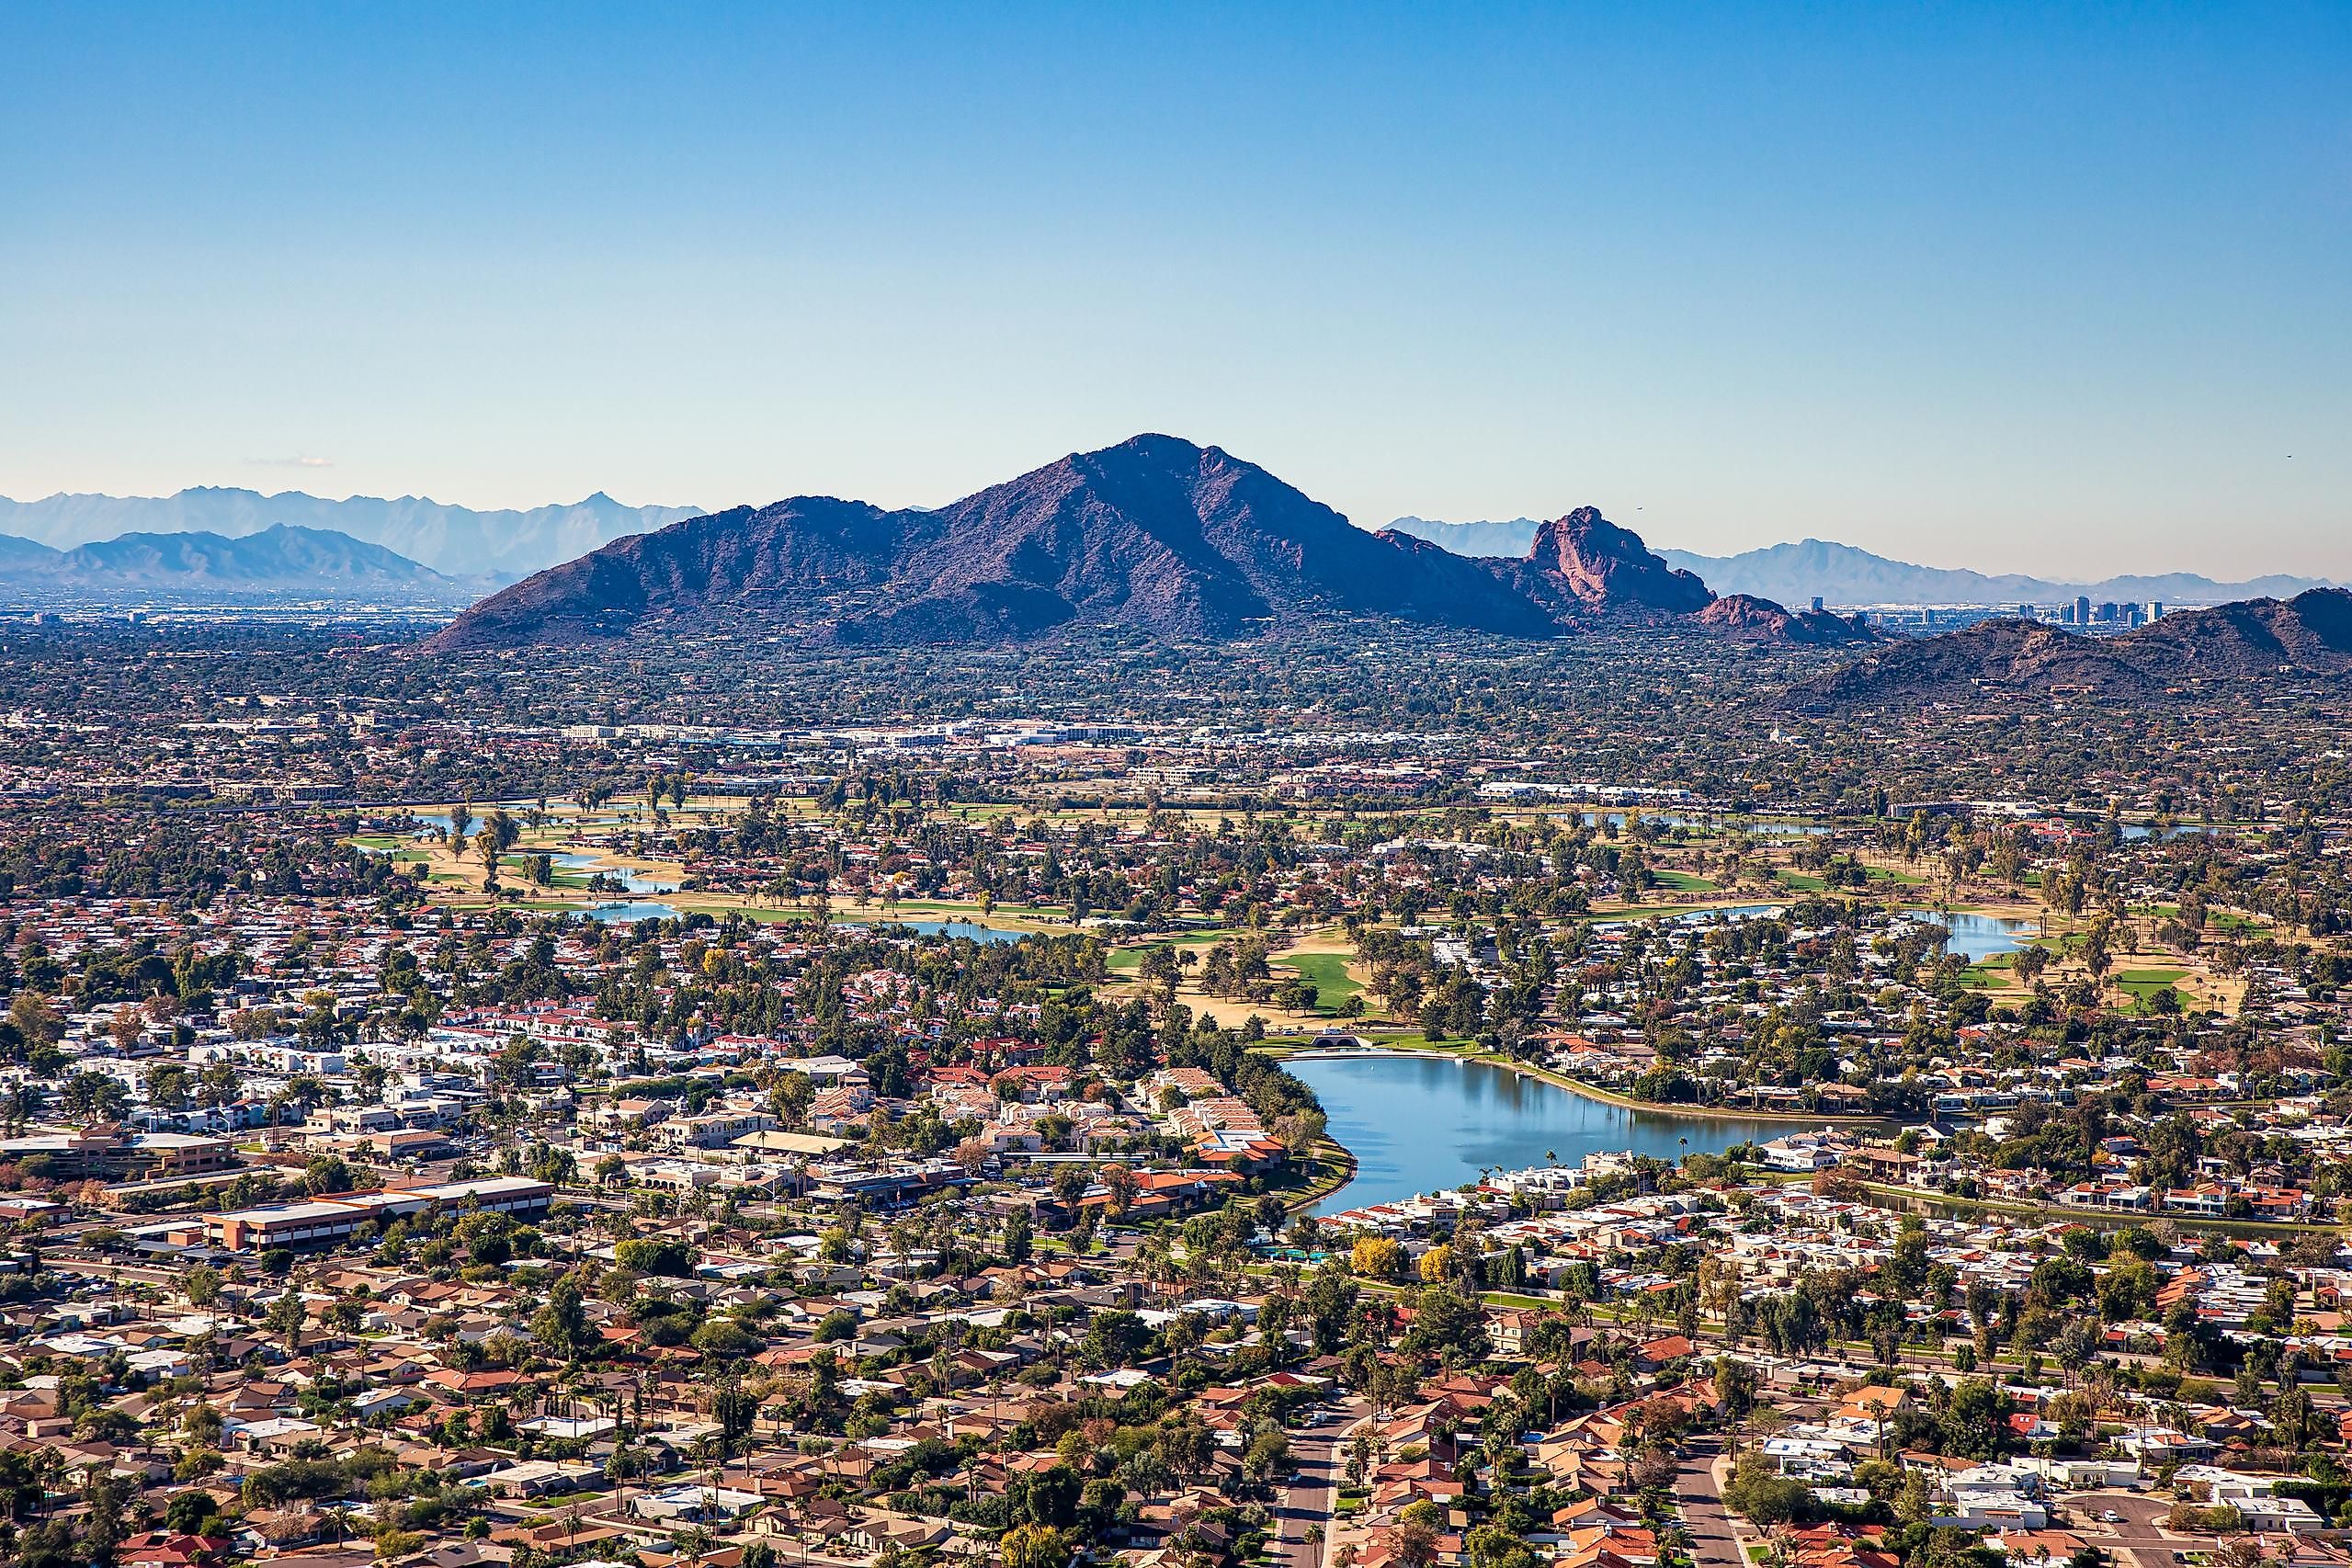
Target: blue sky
(2037, 287)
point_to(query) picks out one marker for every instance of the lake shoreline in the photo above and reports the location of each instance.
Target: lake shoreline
(1412, 1127)
(1587, 1091)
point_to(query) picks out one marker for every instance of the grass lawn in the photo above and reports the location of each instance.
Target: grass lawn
(1989, 975)
(1683, 881)
(1799, 882)
(2215, 919)
(2147, 982)
(1327, 972)
(520, 865)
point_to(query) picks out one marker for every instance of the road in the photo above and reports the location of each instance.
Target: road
(2140, 1533)
(1314, 1490)
(1714, 1539)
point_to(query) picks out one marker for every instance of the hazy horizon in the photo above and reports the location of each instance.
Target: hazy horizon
(1986, 568)
(2040, 285)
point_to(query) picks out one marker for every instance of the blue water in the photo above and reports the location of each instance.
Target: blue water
(1980, 937)
(635, 910)
(963, 928)
(632, 881)
(1426, 1124)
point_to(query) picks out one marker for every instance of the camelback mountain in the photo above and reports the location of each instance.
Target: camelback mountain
(2264, 639)
(1153, 535)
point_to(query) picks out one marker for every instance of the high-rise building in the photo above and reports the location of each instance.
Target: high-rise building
(2155, 609)
(2081, 610)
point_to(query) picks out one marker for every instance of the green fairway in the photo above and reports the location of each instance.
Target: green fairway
(2147, 982)
(1327, 972)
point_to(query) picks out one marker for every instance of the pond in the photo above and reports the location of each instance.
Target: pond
(1421, 1124)
(631, 912)
(964, 928)
(1980, 937)
(595, 864)
(1650, 819)
(2133, 831)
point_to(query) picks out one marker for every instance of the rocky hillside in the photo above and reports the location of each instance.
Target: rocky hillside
(1155, 535)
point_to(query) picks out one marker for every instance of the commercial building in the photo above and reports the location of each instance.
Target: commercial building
(109, 1154)
(325, 1222)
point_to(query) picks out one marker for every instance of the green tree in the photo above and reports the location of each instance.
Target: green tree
(95, 1097)
(561, 1323)
(1450, 1325)
(1762, 1495)
(1034, 1546)
(286, 1316)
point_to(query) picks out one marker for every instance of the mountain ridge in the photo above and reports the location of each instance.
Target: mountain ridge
(1154, 534)
(1795, 571)
(456, 541)
(278, 561)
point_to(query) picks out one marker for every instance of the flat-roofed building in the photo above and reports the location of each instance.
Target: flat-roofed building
(325, 1222)
(109, 1154)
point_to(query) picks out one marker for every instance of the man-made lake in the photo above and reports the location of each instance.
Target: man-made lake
(1427, 1124)
(1980, 937)
(964, 928)
(595, 865)
(632, 911)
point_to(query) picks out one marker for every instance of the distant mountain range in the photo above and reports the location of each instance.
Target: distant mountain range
(1842, 575)
(455, 541)
(2263, 639)
(1155, 535)
(492, 548)
(276, 563)
(1473, 539)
